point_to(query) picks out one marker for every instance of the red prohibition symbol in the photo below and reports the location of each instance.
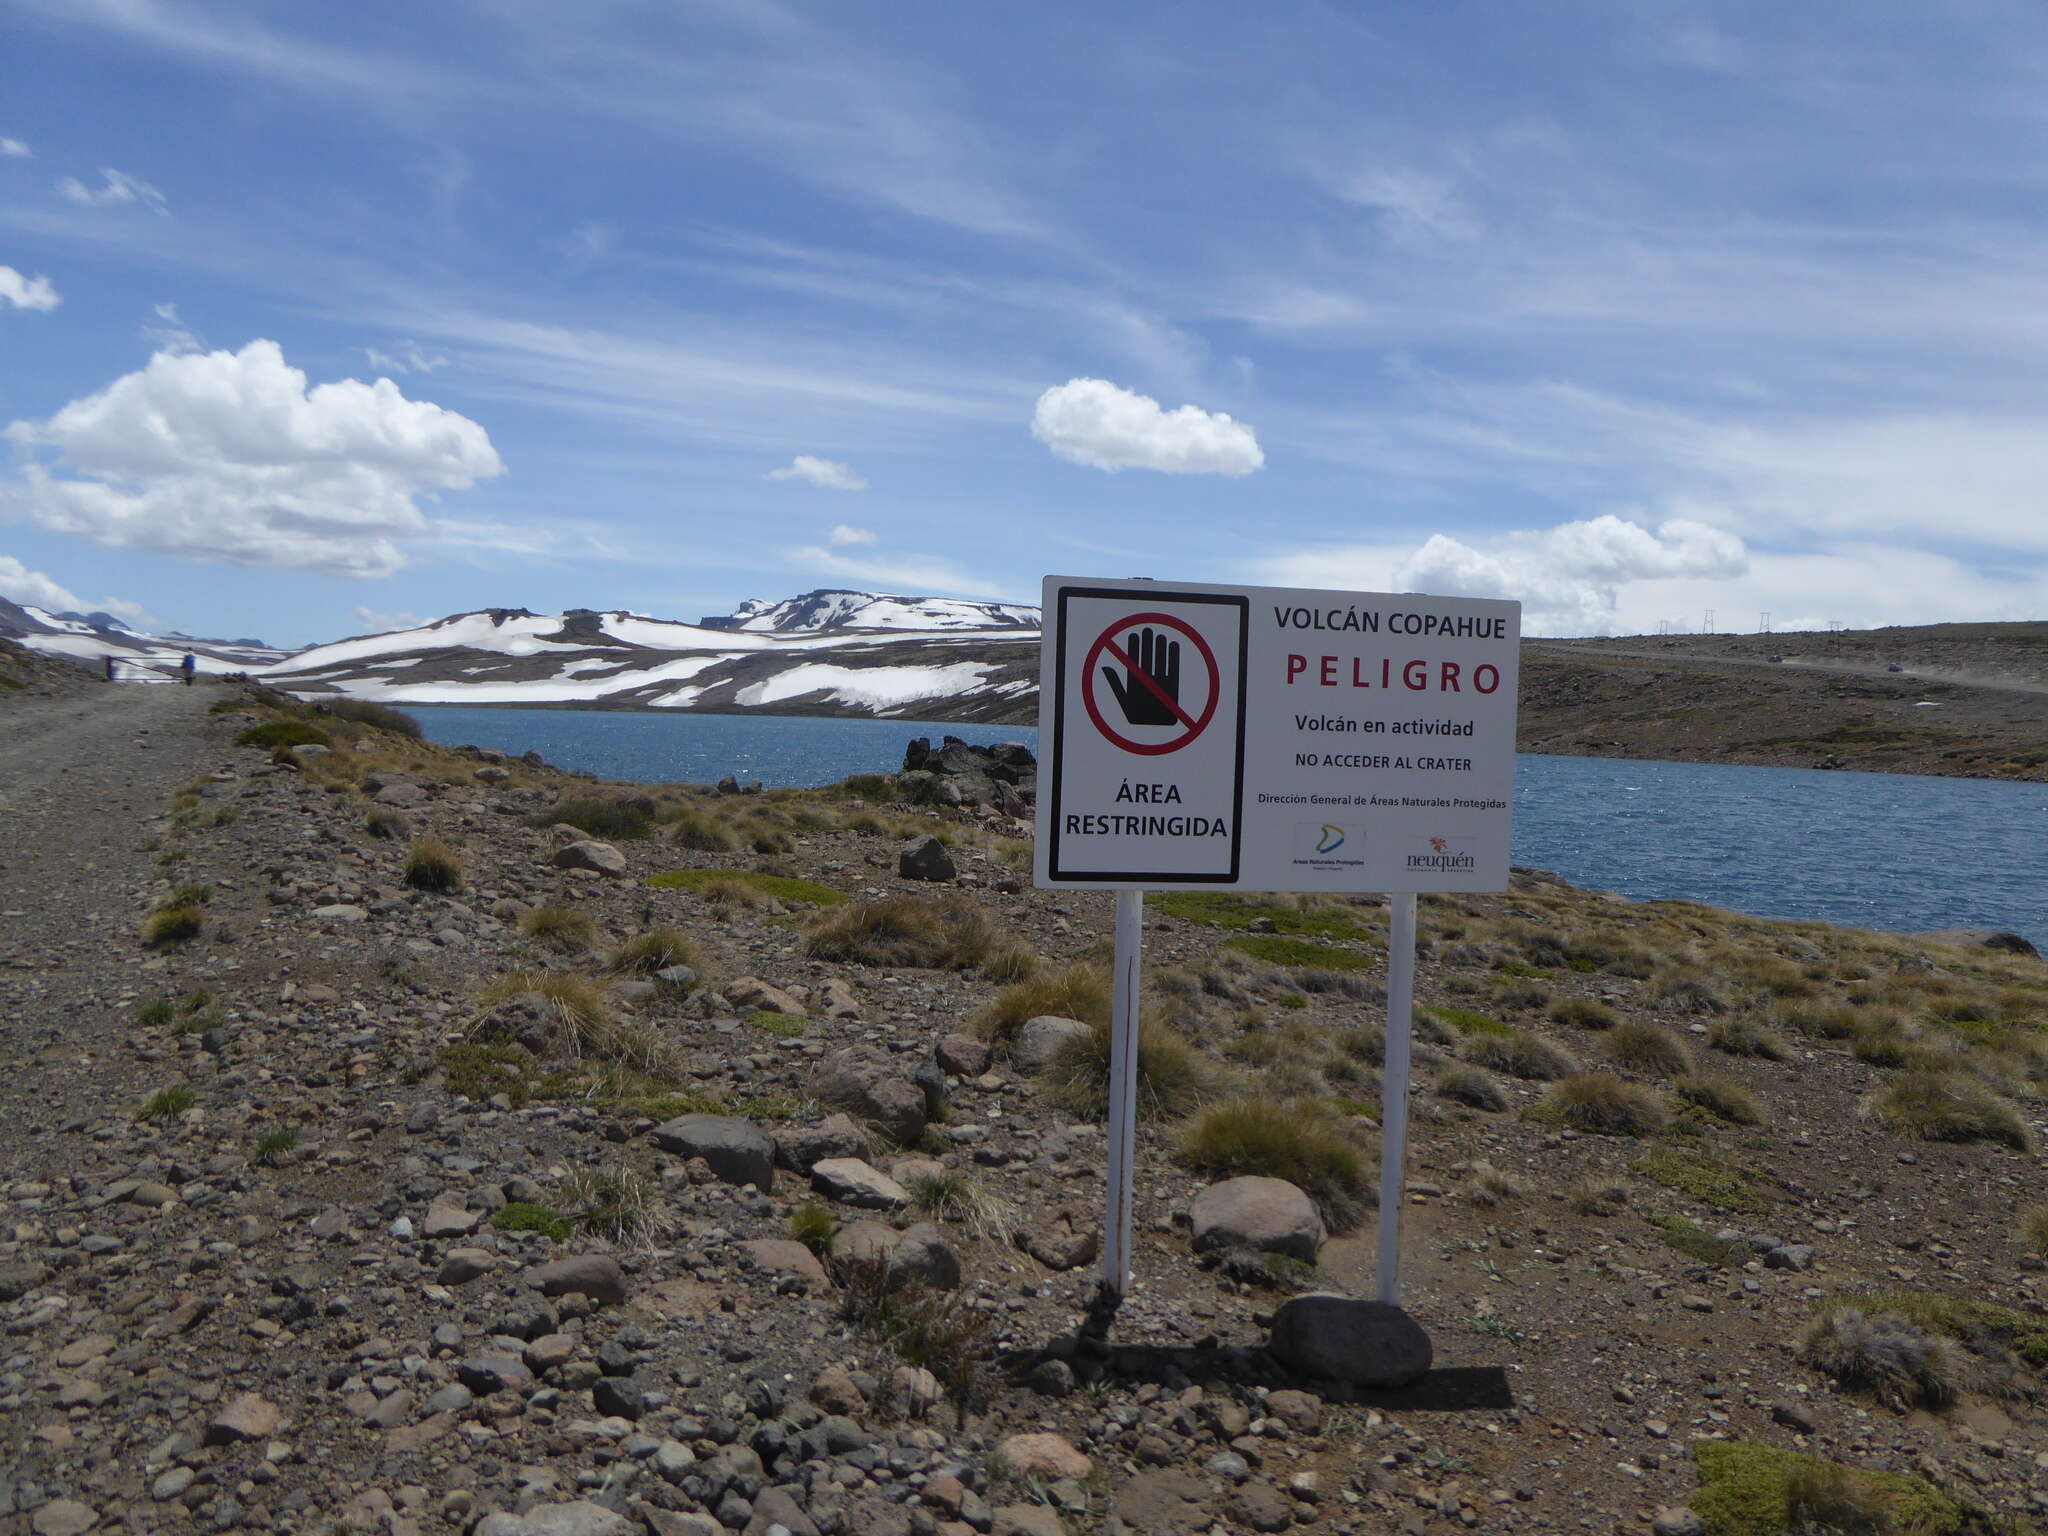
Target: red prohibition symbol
(1148, 697)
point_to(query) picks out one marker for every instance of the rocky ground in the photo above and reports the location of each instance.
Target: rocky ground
(390, 1185)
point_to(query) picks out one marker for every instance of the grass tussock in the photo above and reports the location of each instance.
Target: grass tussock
(1472, 1086)
(1646, 1048)
(380, 717)
(274, 1146)
(1583, 1013)
(1984, 1327)
(2032, 1230)
(564, 930)
(1725, 1100)
(1073, 992)
(274, 734)
(386, 825)
(1174, 1078)
(1464, 1022)
(941, 1331)
(169, 926)
(1934, 1106)
(1604, 1105)
(958, 1197)
(1598, 1197)
(574, 1021)
(165, 1104)
(944, 933)
(1884, 1355)
(658, 949)
(617, 1201)
(1300, 1141)
(814, 1225)
(431, 865)
(1518, 1054)
(608, 817)
(701, 831)
(1688, 1237)
(1741, 1036)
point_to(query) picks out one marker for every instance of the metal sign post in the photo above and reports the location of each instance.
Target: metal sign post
(1394, 1093)
(1270, 739)
(1123, 1090)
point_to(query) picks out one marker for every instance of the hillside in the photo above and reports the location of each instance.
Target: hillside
(723, 1178)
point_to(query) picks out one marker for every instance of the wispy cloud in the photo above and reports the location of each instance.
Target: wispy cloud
(895, 573)
(168, 331)
(14, 149)
(409, 357)
(844, 534)
(826, 474)
(116, 189)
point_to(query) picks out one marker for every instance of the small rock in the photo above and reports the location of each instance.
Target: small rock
(850, 1181)
(248, 1417)
(64, 1517)
(1677, 1521)
(462, 1265)
(963, 1055)
(1266, 1215)
(594, 1275)
(925, 858)
(447, 1219)
(835, 1391)
(784, 1256)
(1035, 1046)
(738, 1151)
(580, 1518)
(1046, 1456)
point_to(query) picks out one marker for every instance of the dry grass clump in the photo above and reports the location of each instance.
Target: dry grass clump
(1721, 1098)
(949, 933)
(1648, 1049)
(603, 816)
(1740, 1036)
(1936, 1106)
(1519, 1055)
(1584, 1013)
(388, 825)
(1300, 1141)
(1605, 1105)
(576, 1024)
(1888, 1045)
(172, 924)
(565, 930)
(617, 1201)
(1174, 1078)
(1598, 1197)
(367, 712)
(813, 1225)
(1471, 1086)
(950, 1196)
(657, 950)
(1079, 992)
(1884, 1355)
(702, 831)
(431, 865)
(2033, 1229)
(1488, 1186)
(1683, 989)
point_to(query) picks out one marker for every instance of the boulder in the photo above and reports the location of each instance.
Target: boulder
(593, 1274)
(1039, 1041)
(873, 1093)
(925, 858)
(835, 1391)
(1341, 1338)
(401, 794)
(590, 854)
(801, 1148)
(919, 1255)
(1266, 1215)
(446, 1218)
(849, 1181)
(738, 1151)
(248, 1417)
(1026, 1520)
(1168, 1502)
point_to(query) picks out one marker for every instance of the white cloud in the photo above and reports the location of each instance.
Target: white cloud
(1095, 422)
(170, 333)
(410, 357)
(827, 473)
(21, 585)
(228, 457)
(371, 621)
(1412, 203)
(843, 535)
(117, 188)
(1568, 578)
(26, 292)
(13, 149)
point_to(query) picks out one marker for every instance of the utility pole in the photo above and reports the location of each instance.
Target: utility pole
(1707, 623)
(1763, 623)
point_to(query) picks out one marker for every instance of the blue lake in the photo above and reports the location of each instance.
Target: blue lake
(1875, 850)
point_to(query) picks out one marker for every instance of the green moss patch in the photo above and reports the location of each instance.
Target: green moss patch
(781, 887)
(1711, 1181)
(1466, 1022)
(1278, 949)
(284, 733)
(1752, 1490)
(1698, 1244)
(1219, 910)
(522, 1217)
(786, 1025)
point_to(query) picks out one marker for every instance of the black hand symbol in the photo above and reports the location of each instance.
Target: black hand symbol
(1159, 659)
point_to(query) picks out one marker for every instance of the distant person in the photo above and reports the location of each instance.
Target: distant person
(189, 666)
(110, 667)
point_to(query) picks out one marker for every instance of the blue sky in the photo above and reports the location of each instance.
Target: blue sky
(1631, 310)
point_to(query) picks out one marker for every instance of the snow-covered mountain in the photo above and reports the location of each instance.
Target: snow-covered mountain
(90, 639)
(875, 662)
(831, 608)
